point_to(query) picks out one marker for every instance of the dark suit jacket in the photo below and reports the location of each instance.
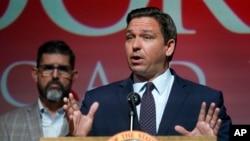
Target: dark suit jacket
(24, 124)
(182, 108)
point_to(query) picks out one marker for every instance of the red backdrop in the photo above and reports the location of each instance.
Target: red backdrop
(213, 45)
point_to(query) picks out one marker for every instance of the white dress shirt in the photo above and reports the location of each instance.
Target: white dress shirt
(51, 126)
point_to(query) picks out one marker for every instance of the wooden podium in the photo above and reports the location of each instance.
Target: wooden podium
(133, 136)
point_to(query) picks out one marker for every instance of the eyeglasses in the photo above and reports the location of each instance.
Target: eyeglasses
(63, 70)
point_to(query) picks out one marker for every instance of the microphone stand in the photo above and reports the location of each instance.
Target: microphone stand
(132, 112)
(133, 100)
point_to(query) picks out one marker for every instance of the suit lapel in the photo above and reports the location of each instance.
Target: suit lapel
(33, 121)
(126, 87)
(176, 98)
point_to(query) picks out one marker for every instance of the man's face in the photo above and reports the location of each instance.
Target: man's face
(54, 77)
(145, 48)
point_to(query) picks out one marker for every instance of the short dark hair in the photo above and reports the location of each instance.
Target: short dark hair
(166, 23)
(55, 47)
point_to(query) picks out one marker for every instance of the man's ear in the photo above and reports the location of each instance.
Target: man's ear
(75, 75)
(34, 73)
(170, 47)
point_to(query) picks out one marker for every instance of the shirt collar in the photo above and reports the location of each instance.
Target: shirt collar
(43, 109)
(159, 82)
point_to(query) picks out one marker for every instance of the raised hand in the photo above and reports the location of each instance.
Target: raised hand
(79, 124)
(207, 125)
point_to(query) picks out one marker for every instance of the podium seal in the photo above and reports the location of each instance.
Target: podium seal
(132, 136)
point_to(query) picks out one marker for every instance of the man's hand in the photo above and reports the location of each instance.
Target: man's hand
(79, 124)
(207, 125)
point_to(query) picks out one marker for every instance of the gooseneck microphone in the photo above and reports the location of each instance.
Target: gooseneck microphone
(133, 100)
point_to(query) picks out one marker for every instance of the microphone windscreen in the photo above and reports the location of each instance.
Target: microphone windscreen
(134, 98)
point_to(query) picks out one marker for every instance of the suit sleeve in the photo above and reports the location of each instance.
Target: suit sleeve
(224, 132)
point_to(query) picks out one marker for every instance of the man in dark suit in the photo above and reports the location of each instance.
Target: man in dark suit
(180, 105)
(54, 75)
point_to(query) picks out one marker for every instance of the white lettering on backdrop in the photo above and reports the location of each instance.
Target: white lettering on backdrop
(12, 12)
(219, 9)
(62, 18)
(226, 16)
(4, 88)
(58, 14)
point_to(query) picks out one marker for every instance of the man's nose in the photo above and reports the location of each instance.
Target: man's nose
(55, 73)
(136, 44)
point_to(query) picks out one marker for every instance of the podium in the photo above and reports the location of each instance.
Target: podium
(158, 138)
(133, 136)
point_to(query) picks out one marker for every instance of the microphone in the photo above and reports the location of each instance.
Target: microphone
(133, 100)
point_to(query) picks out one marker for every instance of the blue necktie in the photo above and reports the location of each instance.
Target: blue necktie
(147, 112)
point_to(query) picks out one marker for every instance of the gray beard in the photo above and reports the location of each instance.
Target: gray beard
(54, 95)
